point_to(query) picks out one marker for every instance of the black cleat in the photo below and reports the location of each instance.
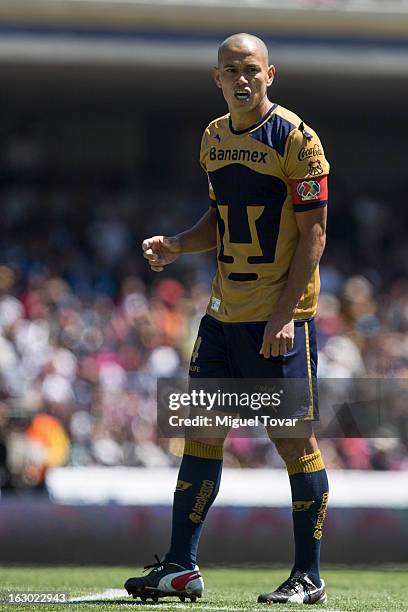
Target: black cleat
(166, 580)
(296, 589)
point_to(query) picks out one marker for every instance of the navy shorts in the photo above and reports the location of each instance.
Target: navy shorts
(231, 350)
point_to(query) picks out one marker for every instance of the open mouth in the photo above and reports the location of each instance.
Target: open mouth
(242, 95)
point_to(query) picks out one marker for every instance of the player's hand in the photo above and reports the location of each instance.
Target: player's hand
(278, 339)
(161, 251)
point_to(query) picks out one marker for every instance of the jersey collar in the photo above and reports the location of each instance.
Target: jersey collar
(256, 125)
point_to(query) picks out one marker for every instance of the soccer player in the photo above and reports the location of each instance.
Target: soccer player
(267, 178)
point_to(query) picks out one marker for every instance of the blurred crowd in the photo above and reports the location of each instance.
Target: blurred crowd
(86, 330)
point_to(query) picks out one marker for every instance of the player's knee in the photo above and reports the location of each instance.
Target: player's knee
(287, 449)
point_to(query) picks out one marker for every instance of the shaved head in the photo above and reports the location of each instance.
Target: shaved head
(243, 42)
(244, 75)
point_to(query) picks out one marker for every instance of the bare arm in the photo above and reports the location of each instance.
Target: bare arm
(163, 250)
(279, 331)
(202, 236)
(312, 240)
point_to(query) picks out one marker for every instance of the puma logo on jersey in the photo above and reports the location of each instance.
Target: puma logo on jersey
(238, 155)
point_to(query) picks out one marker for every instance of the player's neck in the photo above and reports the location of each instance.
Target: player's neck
(243, 120)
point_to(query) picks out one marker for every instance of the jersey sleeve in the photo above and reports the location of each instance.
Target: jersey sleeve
(306, 168)
(203, 163)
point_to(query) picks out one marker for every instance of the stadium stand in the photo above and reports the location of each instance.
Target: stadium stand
(93, 135)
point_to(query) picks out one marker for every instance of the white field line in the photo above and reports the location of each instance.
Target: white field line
(106, 595)
(112, 594)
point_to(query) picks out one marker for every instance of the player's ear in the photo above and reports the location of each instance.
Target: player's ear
(271, 74)
(216, 76)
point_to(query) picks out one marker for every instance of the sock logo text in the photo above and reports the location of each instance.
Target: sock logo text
(201, 501)
(318, 532)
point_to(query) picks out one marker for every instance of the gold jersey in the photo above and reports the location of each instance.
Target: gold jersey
(258, 179)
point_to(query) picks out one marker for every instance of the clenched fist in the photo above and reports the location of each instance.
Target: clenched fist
(161, 251)
(278, 338)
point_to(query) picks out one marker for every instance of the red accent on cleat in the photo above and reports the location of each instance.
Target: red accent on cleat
(181, 582)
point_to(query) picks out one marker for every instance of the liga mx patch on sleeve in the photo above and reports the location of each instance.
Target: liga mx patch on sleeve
(309, 193)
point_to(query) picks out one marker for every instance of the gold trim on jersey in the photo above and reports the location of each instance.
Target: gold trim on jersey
(309, 373)
(269, 115)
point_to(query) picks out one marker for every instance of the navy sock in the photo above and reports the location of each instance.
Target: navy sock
(197, 487)
(310, 492)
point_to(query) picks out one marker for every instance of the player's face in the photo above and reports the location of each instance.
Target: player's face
(244, 77)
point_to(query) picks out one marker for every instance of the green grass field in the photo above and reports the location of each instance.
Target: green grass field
(227, 590)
